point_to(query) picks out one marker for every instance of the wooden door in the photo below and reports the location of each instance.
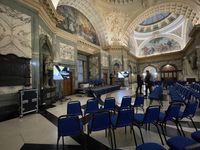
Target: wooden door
(105, 77)
(67, 86)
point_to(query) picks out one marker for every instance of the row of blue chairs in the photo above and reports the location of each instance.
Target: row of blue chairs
(195, 86)
(179, 93)
(125, 117)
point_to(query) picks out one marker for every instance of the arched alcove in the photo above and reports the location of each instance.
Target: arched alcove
(168, 72)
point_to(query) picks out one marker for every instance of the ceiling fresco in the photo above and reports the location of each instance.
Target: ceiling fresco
(159, 45)
(76, 23)
(113, 22)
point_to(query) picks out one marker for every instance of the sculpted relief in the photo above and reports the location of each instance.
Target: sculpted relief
(15, 32)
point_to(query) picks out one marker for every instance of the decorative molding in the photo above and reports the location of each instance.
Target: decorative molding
(42, 31)
(66, 52)
(186, 8)
(15, 32)
(50, 10)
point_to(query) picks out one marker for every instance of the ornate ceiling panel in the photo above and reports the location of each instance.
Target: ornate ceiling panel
(115, 20)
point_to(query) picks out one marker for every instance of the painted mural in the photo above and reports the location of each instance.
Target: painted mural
(15, 32)
(160, 45)
(76, 23)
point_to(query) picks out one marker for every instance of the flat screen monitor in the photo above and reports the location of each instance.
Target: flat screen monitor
(60, 72)
(123, 74)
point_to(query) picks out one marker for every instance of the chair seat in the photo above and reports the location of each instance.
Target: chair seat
(139, 118)
(149, 146)
(180, 142)
(196, 136)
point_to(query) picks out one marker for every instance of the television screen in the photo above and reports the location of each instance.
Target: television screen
(60, 72)
(123, 74)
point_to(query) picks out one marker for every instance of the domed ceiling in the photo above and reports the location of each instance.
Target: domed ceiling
(134, 23)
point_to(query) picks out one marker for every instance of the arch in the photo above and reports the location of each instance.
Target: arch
(165, 65)
(152, 69)
(168, 72)
(186, 8)
(91, 14)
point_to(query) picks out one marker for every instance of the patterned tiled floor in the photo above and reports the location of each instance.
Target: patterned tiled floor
(39, 131)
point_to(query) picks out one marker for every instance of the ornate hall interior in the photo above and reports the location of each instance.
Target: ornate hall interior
(54, 53)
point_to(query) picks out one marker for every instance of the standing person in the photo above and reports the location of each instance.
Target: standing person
(148, 82)
(139, 84)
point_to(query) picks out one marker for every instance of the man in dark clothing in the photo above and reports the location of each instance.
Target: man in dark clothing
(139, 84)
(148, 82)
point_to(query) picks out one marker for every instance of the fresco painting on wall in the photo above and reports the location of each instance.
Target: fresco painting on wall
(76, 23)
(160, 45)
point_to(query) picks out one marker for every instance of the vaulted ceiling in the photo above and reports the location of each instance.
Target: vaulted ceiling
(118, 21)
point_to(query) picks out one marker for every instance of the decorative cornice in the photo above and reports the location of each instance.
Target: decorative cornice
(50, 10)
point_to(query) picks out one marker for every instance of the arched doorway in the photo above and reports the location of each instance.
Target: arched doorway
(152, 70)
(168, 72)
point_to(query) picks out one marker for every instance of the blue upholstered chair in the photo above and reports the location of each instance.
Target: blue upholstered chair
(126, 102)
(74, 108)
(139, 102)
(171, 114)
(109, 104)
(68, 126)
(100, 121)
(123, 118)
(182, 143)
(91, 106)
(150, 117)
(196, 136)
(189, 112)
(150, 146)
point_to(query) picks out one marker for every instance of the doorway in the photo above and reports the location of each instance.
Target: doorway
(67, 85)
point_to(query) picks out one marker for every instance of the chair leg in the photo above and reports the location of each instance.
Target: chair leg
(109, 133)
(193, 124)
(63, 142)
(163, 132)
(149, 126)
(125, 129)
(58, 139)
(114, 138)
(159, 134)
(178, 128)
(134, 136)
(106, 133)
(141, 134)
(181, 128)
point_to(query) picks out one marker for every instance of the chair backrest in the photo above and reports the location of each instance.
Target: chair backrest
(173, 111)
(74, 108)
(190, 109)
(100, 121)
(139, 101)
(152, 114)
(69, 125)
(124, 117)
(91, 106)
(126, 102)
(109, 103)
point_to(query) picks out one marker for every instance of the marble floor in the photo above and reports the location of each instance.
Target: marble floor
(39, 130)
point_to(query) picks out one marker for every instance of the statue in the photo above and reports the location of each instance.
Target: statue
(48, 72)
(187, 69)
(188, 73)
